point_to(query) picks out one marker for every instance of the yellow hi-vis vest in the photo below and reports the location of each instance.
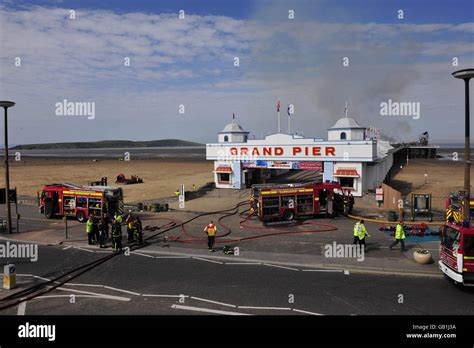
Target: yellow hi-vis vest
(211, 230)
(360, 231)
(118, 218)
(89, 226)
(399, 232)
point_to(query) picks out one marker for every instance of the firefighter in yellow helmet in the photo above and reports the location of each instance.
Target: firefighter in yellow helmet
(211, 230)
(399, 236)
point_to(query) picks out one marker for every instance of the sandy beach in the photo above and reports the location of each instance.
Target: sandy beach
(161, 176)
(442, 178)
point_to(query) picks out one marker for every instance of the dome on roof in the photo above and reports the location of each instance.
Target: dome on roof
(346, 122)
(233, 127)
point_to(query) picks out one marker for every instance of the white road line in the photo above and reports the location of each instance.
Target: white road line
(135, 253)
(219, 303)
(83, 249)
(306, 312)
(35, 276)
(198, 258)
(270, 265)
(197, 309)
(153, 295)
(24, 275)
(68, 247)
(243, 263)
(126, 291)
(91, 285)
(90, 296)
(323, 270)
(118, 298)
(273, 308)
(172, 257)
(21, 308)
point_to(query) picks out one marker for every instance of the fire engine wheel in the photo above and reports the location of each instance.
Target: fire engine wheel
(288, 215)
(80, 216)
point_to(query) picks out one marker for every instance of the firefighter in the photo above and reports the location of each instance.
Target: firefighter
(103, 231)
(176, 193)
(360, 232)
(116, 235)
(130, 221)
(138, 230)
(95, 228)
(399, 236)
(210, 229)
(89, 231)
(118, 217)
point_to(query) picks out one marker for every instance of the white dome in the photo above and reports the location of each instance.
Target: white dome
(233, 127)
(346, 122)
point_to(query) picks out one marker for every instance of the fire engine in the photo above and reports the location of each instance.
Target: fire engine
(79, 201)
(457, 242)
(290, 201)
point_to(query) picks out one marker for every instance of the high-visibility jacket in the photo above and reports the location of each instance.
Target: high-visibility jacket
(360, 231)
(399, 232)
(89, 225)
(211, 230)
(118, 218)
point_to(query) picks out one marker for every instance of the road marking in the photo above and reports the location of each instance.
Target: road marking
(68, 247)
(134, 252)
(273, 308)
(198, 258)
(197, 309)
(21, 308)
(152, 295)
(270, 265)
(90, 296)
(172, 257)
(323, 270)
(118, 298)
(346, 272)
(35, 276)
(24, 275)
(243, 263)
(78, 284)
(306, 312)
(126, 291)
(83, 249)
(219, 303)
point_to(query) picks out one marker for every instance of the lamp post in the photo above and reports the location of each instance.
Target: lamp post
(466, 75)
(5, 105)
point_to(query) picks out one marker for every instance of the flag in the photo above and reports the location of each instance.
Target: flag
(288, 111)
(233, 116)
(278, 106)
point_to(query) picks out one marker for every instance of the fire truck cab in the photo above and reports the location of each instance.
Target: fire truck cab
(457, 243)
(79, 201)
(290, 201)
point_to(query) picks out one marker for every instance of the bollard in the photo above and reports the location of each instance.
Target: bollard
(9, 278)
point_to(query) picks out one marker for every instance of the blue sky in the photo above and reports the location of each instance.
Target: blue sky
(190, 62)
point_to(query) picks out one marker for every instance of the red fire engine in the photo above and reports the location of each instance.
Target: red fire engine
(289, 201)
(79, 201)
(457, 242)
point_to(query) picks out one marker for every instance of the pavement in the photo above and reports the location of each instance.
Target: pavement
(300, 249)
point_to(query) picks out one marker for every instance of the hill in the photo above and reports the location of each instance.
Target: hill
(108, 144)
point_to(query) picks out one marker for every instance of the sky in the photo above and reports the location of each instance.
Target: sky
(182, 80)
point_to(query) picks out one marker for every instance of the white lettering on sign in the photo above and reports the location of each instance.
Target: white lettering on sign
(281, 151)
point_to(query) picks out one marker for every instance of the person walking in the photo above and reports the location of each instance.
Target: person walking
(211, 230)
(350, 203)
(89, 231)
(360, 232)
(116, 235)
(399, 236)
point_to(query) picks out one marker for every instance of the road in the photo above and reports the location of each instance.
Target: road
(146, 282)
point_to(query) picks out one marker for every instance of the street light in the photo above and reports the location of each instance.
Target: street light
(5, 105)
(466, 75)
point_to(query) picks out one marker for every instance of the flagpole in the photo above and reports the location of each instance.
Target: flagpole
(278, 121)
(289, 125)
